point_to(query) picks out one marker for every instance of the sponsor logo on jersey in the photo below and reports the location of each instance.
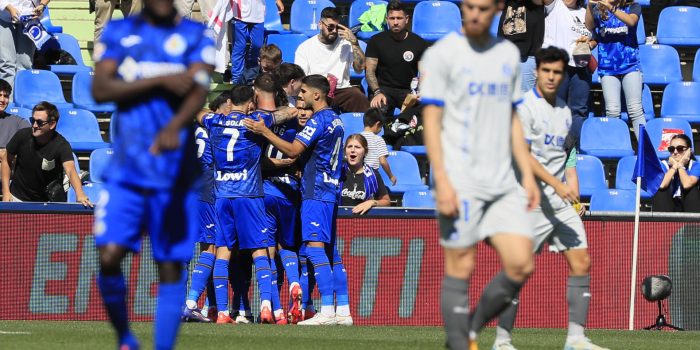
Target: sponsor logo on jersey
(224, 176)
(130, 70)
(130, 40)
(554, 140)
(314, 223)
(329, 180)
(487, 88)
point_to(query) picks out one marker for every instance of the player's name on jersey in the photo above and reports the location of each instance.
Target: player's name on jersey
(226, 176)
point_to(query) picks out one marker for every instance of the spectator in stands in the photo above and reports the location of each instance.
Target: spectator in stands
(16, 48)
(269, 60)
(679, 189)
(248, 36)
(222, 104)
(105, 8)
(9, 124)
(184, 8)
(376, 152)
(363, 188)
(392, 60)
(615, 25)
(522, 22)
(39, 155)
(333, 52)
(289, 76)
(565, 28)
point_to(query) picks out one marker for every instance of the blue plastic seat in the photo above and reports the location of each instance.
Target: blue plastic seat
(288, 43)
(25, 113)
(352, 123)
(679, 26)
(273, 22)
(660, 63)
(81, 129)
(495, 23)
(591, 175)
(418, 199)
(81, 92)
(33, 86)
(99, 159)
(606, 138)
(682, 100)
(357, 8)
(405, 168)
(647, 105)
(644, 3)
(92, 190)
(641, 33)
(623, 175)
(696, 67)
(69, 44)
(306, 14)
(46, 22)
(613, 200)
(434, 19)
(417, 151)
(655, 129)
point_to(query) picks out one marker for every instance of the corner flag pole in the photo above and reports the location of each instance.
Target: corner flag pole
(635, 246)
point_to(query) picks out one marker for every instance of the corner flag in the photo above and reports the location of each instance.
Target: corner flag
(648, 166)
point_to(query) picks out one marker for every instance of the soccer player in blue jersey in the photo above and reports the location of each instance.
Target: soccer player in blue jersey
(318, 145)
(156, 67)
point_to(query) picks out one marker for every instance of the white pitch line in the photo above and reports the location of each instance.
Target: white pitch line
(12, 333)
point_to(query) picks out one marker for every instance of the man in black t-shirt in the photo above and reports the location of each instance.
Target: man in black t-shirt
(38, 156)
(391, 61)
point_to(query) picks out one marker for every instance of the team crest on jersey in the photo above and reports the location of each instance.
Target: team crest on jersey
(408, 56)
(175, 45)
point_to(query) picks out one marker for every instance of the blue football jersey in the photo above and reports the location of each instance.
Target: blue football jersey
(618, 50)
(237, 154)
(323, 137)
(282, 182)
(142, 50)
(206, 163)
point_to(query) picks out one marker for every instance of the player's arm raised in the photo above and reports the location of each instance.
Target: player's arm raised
(290, 149)
(522, 157)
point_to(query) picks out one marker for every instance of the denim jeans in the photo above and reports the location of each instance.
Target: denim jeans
(632, 85)
(527, 74)
(575, 89)
(16, 51)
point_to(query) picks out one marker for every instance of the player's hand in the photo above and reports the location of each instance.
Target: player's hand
(392, 178)
(347, 34)
(179, 84)
(363, 207)
(256, 126)
(167, 139)
(447, 203)
(685, 160)
(566, 193)
(580, 208)
(14, 14)
(84, 200)
(378, 101)
(532, 191)
(38, 10)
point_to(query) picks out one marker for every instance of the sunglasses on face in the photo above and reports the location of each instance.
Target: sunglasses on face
(680, 149)
(38, 122)
(330, 27)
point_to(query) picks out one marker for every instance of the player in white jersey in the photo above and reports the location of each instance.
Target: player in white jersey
(546, 122)
(470, 85)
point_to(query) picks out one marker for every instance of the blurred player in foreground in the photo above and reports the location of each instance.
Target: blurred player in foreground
(471, 85)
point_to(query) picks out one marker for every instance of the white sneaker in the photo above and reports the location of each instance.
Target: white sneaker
(241, 319)
(319, 320)
(343, 320)
(503, 346)
(582, 344)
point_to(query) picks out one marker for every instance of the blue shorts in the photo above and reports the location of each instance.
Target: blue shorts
(170, 217)
(242, 221)
(318, 221)
(283, 221)
(207, 223)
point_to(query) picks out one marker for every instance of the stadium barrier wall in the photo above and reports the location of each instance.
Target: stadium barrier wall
(394, 263)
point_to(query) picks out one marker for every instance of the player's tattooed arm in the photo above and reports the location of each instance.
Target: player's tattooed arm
(284, 114)
(290, 149)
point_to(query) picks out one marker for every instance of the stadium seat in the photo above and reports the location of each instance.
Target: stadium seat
(417, 151)
(679, 26)
(591, 175)
(360, 74)
(80, 128)
(81, 92)
(418, 199)
(696, 67)
(91, 189)
(25, 113)
(46, 22)
(434, 19)
(357, 8)
(644, 3)
(660, 63)
(99, 159)
(69, 44)
(273, 22)
(306, 14)
(33, 86)
(623, 175)
(613, 200)
(641, 34)
(606, 138)
(405, 168)
(352, 123)
(495, 23)
(682, 100)
(655, 129)
(288, 43)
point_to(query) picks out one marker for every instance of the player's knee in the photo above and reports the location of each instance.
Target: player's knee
(110, 259)
(520, 269)
(580, 265)
(459, 264)
(169, 272)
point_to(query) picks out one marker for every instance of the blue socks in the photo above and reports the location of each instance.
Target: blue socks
(200, 275)
(263, 274)
(323, 273)
(168, 311)
(290, 263)
(113, 292)
(274, 291)
(340, 280)
(307, 282)
(221, 284)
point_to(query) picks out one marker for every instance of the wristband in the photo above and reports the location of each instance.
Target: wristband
(377, 92)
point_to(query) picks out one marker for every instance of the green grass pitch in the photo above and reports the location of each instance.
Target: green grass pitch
(99, 335)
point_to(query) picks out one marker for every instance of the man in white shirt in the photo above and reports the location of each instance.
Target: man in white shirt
(332, 52)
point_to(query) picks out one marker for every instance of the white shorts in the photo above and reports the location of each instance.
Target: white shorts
(562, 229)
(479, 219)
